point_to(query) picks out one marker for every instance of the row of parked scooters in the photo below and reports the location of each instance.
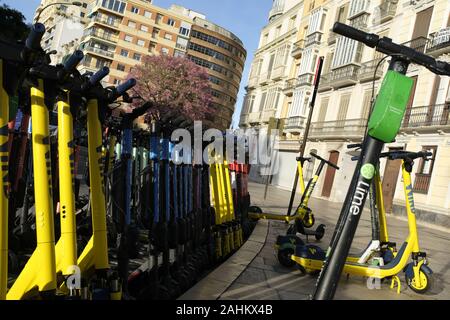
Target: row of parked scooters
(139, 225)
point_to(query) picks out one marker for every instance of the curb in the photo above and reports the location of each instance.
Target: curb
(220, 279)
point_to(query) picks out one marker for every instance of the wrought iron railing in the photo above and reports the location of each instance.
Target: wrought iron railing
(427, 116)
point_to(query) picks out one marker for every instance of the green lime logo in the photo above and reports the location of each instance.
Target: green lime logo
(368, 171)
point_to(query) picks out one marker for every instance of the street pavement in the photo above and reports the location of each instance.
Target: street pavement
(263, 278)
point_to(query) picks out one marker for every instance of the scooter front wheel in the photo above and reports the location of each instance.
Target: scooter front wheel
(284, 257)
(421, 285)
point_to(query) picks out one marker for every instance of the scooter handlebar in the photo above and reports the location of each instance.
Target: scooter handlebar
(326, 161)
(124, 87)
(98, 76)
(71, 64)
(369, 39)
(34, 38)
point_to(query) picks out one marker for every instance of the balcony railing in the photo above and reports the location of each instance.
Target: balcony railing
(253, 82)
(98, 33)
(339, 129)
(344, 76)
(103, 19)
(289, 86)
(278, 72)
(305, 79)
(314, 38)
(297, 49)
(181, 46)
(439, 42)
(267, 114)
(422, 183)
(294, 124)
(367, 71)
(254, 117)
(276, 10)
(427, 117)
(361, 22)
(332, 37)
(325, 83)
(243, 118)
(105, 53)
(418, 44)
(386, 11)
(264, 78)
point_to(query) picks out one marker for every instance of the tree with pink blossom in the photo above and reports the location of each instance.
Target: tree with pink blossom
(175, 85)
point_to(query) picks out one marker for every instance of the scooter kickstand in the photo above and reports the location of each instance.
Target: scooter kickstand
(396, 279)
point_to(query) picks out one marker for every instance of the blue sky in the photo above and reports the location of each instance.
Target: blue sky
(245, 18)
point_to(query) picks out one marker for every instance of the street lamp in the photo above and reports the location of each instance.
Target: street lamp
(73, 3)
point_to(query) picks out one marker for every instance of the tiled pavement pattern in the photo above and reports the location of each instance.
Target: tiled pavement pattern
(264, 278)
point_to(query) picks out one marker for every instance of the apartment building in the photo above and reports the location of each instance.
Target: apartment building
(64, 23)
(120, 33)
(346, 91)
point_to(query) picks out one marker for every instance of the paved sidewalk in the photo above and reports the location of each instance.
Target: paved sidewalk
(264, 278)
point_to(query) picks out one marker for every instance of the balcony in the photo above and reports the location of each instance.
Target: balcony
(289, 86)
(331, 37)
(367, 71)
(418, 44)
(253, 82)
(351, 129)
(305, 80)
(181, 46)
(101, 52)
(427, 118)
(325, 83)
(243, 119)
(277, 10)
(107, 21)
(297, 49)
(278, 73)
(101, 34)
(344, 76)
(267, 114)
(264, 78)
(313, 39)
(361, 22)
(439, 42)
(254, 117)
(386, 11)
(295, 124)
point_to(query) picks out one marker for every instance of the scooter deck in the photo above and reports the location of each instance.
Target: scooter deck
(271, 216)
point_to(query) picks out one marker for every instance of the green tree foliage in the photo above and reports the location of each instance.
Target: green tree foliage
(12, 24)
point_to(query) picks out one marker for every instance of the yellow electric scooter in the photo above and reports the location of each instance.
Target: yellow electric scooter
(418, 275)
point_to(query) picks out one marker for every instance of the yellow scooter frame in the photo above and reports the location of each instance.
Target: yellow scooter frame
(40, 271)
(400, 262)
(4, 155)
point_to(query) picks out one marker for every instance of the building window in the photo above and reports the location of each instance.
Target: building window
(137, 56)
(159, 18)
(121, 67)
(144, 28)
(165, 51)
(124, 53)
(152, 47)
(425, 171)
(128, 38)
(82, 14)
(147, 14)
(292, 22)
(171, 22)
(168, 36)
(84, 5)
(114, 5)
(184, 31)
(132, 24)
(141, 42)
(155, 33)
(135, 10)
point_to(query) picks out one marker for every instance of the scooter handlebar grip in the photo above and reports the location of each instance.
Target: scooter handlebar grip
(140, 111)
(34, 38)
(369, 39)
(98, 76)
(355, 145)
(71, 63)
(124, 87)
